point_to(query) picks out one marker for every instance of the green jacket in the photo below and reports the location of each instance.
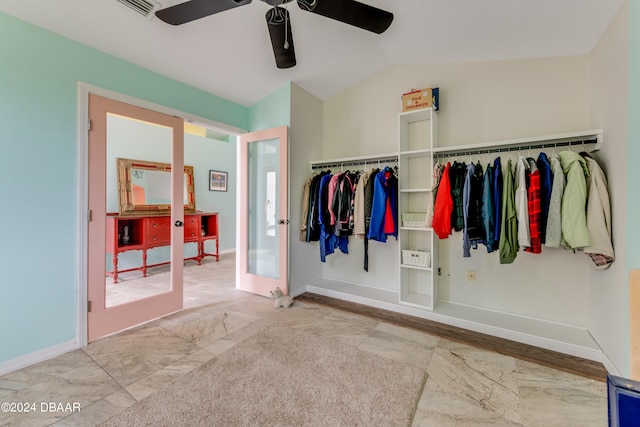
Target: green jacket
(509, 224)
(575, 233)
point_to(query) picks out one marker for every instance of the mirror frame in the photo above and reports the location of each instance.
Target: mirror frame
(125, 194)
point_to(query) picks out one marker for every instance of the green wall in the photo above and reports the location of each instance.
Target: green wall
(39, 254)
(272, 111)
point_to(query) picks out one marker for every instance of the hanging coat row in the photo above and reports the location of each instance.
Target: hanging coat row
(361, 204)
(557, 201)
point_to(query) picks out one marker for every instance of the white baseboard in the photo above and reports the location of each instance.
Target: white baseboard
(297, 292)
(609, 366)
(38, 356)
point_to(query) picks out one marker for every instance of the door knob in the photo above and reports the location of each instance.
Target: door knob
(179, 223)
(282, 221)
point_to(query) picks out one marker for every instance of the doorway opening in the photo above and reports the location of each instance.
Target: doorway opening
(208, 130)
(208, 155)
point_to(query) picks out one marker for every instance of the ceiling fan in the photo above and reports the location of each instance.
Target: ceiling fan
(347, 11)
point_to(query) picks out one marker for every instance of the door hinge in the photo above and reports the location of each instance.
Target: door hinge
(89, 125)
(90, 215)
(88, 306)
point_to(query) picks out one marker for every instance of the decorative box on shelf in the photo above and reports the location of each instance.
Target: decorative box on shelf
(416, 258)
(414, 219)
(422, 98)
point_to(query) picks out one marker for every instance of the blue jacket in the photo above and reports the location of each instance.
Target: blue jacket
(385, 188)
(497, 201)
(546, 183)
(488, 209)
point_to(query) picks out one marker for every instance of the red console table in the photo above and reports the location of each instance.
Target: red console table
(147, 232)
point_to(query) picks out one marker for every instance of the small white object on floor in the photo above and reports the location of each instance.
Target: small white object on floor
(281, 300)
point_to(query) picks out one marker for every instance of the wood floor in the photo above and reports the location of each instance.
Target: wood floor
(552, 359)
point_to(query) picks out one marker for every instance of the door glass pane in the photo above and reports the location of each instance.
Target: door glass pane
(263, 230)
(127, 278)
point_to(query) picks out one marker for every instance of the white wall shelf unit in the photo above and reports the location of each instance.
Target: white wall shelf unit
(416, 153)
(417, 136)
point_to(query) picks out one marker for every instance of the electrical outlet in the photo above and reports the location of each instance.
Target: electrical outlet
(471, 276)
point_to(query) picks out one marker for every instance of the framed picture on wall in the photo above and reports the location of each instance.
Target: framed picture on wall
(217, 181)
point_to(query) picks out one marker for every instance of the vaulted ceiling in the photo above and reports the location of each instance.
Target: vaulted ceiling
(230, 55)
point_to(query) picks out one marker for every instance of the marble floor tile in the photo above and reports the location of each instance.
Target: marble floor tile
(408, 333)
(98, 412)
(567, 399)
(533, 375)
(199, 282)
(465, 386)
(80, 387)
(398, 348)
(9, 386)
(439, 409)
(476, 379)
(132, 286)
(137, 353)
(43, 371)
(164, 377)
(207, 326)
(220, 346)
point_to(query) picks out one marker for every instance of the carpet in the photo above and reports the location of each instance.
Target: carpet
(285, 377)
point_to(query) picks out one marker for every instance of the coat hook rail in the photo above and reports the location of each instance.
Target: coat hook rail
(530, 146)
(333, 164)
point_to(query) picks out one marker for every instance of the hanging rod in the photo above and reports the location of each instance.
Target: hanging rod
(353, 161)
(506, 149)
(592, 137)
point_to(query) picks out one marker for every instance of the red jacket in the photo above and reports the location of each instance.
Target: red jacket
(443, 206)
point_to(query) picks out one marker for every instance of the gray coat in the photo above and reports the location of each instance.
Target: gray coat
(554, 218)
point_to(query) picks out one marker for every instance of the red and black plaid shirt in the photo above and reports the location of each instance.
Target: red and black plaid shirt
(535, 213)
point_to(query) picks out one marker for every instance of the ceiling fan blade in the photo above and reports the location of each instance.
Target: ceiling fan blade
(196, 9)
(280, 32)
(350, 12)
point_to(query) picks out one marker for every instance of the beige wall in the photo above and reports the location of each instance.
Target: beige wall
(481, 102)
(497, 100)
(305, 144)
(608, 308)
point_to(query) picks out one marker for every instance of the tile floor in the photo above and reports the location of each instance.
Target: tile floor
(465, 386)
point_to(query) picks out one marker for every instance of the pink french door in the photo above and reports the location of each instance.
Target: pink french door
(106, 317)
(262, 248)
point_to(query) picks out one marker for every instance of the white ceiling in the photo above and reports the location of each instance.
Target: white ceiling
(229, 54)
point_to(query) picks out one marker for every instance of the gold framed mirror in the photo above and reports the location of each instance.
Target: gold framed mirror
(144, 188)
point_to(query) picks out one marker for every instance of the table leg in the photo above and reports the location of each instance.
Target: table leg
(115, 267)
(144, 263)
